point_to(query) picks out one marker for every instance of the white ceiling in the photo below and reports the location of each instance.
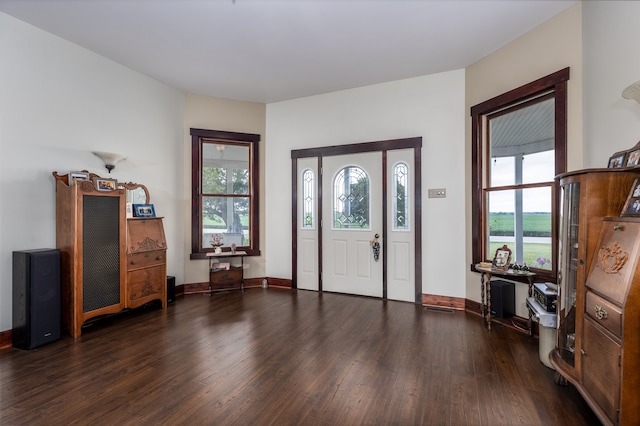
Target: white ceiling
(273, 50)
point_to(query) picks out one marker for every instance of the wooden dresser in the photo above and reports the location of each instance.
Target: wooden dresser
(108, 262)
(146, 262)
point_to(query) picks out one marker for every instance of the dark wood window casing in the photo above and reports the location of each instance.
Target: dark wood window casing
(198, 138)
(554, 85)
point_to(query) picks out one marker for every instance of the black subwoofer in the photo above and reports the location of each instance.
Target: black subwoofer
(36, 298)
(503, 299)
(171, 289)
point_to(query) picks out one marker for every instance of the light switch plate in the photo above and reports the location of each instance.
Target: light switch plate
(438, 193)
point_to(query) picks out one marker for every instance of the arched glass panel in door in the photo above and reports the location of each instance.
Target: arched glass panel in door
(351, 199)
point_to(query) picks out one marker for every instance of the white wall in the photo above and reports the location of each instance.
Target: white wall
(431, 107)
(58, 103)
(611, 63)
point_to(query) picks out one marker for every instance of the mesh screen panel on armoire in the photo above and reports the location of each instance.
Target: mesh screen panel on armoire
(100, 252)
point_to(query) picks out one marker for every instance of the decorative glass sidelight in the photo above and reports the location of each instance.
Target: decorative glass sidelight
(401, 197)
(308, 199)
(351, 199)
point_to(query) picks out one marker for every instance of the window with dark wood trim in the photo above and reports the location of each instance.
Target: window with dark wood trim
(224, 199)
(496, 149)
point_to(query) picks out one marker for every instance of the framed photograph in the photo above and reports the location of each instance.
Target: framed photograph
(632, 205)
(502, 259)
(616, 161)
(129, 210)
(73, 176)
(144, 210)
(105, 184)
(633, 157)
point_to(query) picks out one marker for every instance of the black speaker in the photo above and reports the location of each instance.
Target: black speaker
(503, 299)
(36, 298)
(171, 289)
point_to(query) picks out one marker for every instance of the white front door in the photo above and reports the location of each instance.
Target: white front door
(352, 217)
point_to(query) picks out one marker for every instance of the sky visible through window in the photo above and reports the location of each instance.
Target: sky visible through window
(538, 167)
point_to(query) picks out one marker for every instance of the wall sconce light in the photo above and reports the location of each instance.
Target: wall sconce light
(110, 160)
(632, 92)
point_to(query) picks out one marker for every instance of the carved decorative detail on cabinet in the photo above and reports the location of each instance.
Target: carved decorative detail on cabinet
(147, 244)
(612, 258)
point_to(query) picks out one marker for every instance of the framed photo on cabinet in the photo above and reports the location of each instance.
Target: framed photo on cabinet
(632, 205)
(633, 158)
(74, 176)
(105, 184)
(617, 160)
(144, 210)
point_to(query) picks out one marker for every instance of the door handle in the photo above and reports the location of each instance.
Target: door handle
(375, 246)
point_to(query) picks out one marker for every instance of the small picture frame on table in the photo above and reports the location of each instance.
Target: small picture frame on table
(617, 160)
(502, 258)
(103, 184)
(144, 210)
(632, 205)
(633, 158)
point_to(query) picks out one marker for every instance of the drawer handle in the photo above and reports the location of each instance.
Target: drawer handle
(601, 313)
(133, 262)
(159, 258)
(618, 228)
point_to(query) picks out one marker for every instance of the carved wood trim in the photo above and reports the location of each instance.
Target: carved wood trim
(147, 245)
(611, 259)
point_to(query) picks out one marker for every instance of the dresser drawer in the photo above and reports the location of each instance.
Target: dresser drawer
(604, 313)
(144, 285)
(145, 259)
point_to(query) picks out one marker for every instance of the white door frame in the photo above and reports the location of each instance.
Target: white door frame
(382, 146)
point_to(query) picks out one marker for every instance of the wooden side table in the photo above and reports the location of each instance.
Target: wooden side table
(226, 278)
(485, 289)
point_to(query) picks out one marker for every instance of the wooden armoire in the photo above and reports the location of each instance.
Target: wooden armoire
(598, 346)
(96, 242)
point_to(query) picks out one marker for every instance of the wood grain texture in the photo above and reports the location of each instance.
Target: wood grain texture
(286, 357)
(443, 301)
(5, 339)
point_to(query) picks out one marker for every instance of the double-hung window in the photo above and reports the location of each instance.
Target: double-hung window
(519, 146)
(224, 191)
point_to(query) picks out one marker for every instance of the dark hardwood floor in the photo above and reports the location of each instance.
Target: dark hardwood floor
(281, 357)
